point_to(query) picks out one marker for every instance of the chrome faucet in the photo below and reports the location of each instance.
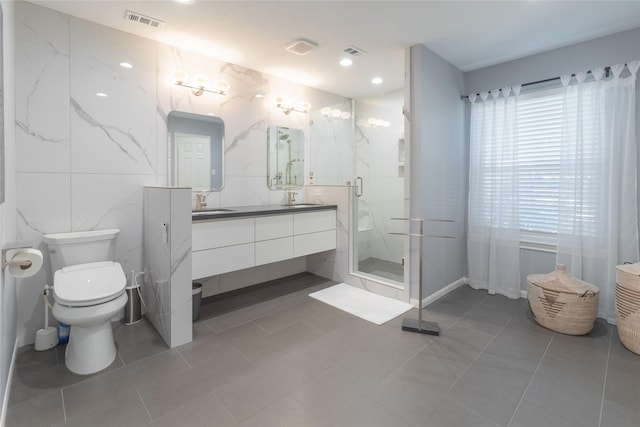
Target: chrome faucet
(201, 201)
(291, 197)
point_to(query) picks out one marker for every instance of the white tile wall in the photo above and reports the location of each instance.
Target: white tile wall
(82, 160)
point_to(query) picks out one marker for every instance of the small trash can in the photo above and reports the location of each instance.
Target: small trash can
(196, 291)
(133, 308)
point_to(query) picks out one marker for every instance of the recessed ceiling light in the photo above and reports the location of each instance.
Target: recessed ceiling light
(345, 62)
(259, 95)
(101, 94)
(126, 65)
(376, 80)
(185, 1)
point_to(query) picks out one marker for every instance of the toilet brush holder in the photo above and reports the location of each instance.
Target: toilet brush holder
(48, 337)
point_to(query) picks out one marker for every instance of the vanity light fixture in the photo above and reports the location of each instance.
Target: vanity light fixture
(334, 113)
(288, 106)
(378, 123)
(201, 84)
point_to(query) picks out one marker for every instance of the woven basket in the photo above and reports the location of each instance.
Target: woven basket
(561, 302)
(628, 305)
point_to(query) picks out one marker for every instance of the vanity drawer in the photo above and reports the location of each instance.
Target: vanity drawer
(274, 250)
(220, 233)
(312, 222)
(274, 227)
(216, 261)
(311, 243)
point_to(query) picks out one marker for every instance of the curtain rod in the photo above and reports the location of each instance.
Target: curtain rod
(606, 70)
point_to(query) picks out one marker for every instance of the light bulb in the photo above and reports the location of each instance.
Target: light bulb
(326, 111)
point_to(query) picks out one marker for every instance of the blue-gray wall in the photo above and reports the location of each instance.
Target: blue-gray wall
(438, 168)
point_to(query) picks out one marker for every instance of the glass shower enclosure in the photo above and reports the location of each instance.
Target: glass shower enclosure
(379, 193)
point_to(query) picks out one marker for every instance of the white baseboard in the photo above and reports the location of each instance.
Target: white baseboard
(439, 294)
(7, 390)
(523, 294)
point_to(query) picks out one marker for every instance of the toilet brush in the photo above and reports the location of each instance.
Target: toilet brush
(48, 337)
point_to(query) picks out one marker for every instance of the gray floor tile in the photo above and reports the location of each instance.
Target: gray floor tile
(284, 412)
(125, 335)
(535, 414)
(275, 345)
(142, 349)
(566, 388)
(364, 411)
(201, 330)
(28, 360)
(614, 415)
(121, 410)
(254, 391)
(243, 315)
(459, 346)
(523, 348)
(623, 383)
(247, 332)
(590, 350)
(201, 411)
(43, 410)
(491, 314)
(523, 319)
(178, 389)
(95, 391)
(449, 414)
(275, 322)
(203, 350)
(491, 387)
(415, 389)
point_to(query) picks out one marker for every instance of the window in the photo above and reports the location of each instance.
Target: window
(533, 165)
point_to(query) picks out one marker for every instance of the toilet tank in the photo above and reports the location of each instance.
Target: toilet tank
(80, 247)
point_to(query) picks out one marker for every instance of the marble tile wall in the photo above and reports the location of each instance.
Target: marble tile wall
(82, 160)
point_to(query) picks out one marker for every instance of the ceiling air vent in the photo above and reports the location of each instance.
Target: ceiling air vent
(355, 51)
(301, 47)
(143, 19)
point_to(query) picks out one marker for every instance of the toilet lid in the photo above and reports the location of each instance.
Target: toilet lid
(86, 283)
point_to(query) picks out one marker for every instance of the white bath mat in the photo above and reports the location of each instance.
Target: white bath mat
(366, 305)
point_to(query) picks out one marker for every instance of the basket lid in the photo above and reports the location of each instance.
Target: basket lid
(560, 280)
(633, 269)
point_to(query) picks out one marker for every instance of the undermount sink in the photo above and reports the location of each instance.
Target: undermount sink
(303, 205)
(212, 211)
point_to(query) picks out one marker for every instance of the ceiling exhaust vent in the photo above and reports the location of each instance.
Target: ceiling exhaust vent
(143, 19)
(301, 47)
(355, 51)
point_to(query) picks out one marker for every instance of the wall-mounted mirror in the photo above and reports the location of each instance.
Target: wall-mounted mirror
(286, 158)
(196, 151)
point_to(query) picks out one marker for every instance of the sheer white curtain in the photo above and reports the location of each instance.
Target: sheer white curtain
(598, 209)
(493, 238)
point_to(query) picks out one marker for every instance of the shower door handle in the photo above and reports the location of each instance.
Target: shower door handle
(359, 188)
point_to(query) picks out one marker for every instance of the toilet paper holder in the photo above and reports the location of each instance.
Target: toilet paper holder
(23, 264)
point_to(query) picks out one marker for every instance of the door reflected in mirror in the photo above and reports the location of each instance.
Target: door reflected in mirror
(196, 151)
(286, 158)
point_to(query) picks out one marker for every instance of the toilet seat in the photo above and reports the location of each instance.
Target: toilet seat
(88, 284)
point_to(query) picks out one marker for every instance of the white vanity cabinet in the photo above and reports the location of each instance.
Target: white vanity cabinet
(314, 232)
(221, 246)
(274, 238)
(230, 244)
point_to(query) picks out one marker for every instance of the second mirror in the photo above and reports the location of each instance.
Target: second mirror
(286, 158)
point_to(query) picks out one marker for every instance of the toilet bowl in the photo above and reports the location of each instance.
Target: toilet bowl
(88, 290)
(86, 297)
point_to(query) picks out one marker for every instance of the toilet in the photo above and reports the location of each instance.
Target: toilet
(88, 290)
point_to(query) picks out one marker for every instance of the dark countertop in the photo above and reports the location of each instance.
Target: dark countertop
(240, 211)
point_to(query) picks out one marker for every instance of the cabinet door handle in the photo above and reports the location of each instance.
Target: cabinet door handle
(360, 187)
